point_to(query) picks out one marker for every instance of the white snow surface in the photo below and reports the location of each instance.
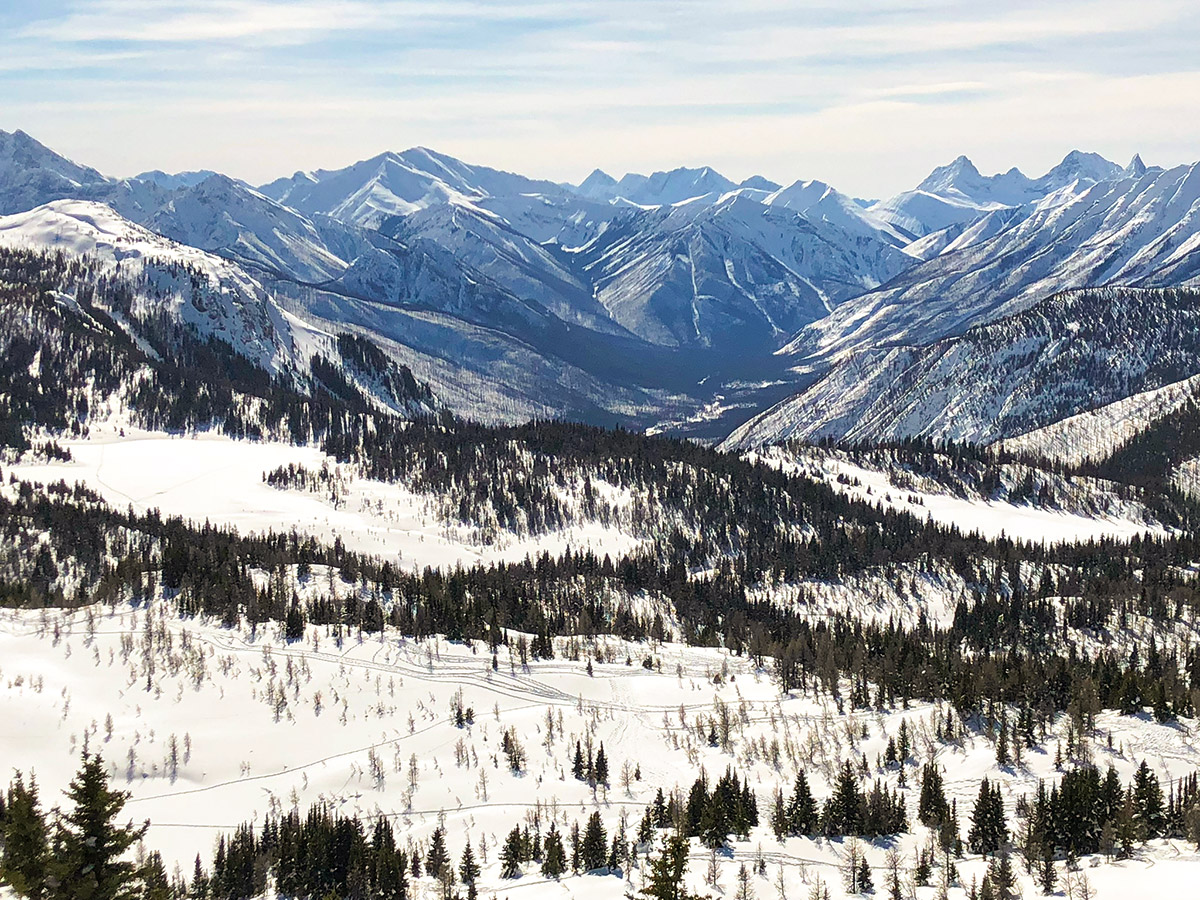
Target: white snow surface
(1096, 433)
(213, 478)
(989, 518)
(264, 725)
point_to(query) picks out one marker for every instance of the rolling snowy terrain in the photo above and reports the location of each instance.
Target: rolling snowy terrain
(232, 725)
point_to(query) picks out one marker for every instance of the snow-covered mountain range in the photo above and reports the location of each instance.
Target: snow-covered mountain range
(680, 299)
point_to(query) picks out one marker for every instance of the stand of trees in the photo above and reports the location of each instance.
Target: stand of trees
(78, 852)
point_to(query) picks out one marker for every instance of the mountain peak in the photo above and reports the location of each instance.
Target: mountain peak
(758, 182)
(1080, 165)
(171, 181)
(1136, 167)
(950, 176)
(597, 180)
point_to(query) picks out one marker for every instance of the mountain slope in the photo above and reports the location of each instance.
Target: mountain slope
(32, 174)
(211, 294)
(735, 275)
(817, 201)
(955, 194)
(1128, 230)
(1069, 353)
(1096, 434)
(396, 184)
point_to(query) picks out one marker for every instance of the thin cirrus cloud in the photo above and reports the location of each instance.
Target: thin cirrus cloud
(868, 99)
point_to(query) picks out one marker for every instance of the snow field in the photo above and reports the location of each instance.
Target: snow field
(260, 725)
(209, 477)
(989, 518)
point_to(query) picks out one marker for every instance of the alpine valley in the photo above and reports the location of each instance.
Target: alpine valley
(417, 529)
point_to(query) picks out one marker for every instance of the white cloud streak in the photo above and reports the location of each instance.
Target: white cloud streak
(869, 100)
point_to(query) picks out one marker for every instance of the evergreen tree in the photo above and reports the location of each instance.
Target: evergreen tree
(1148, 802)
(294, 627)
(1001, 877)
(554, 856)
(1047, 875)
(511, 855)
(437, 859)
(155, 883)
(932, 808)
(866, 884)
(89, 845)
(601, 767)
(843, 814)
(593, 851)
(988, 829)
(665, 881)
(25, 839)
(468, 870)
(802, 808)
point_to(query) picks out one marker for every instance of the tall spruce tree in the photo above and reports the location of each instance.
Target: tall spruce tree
(665, 881)
(593, 851)
(554, 855)
(90, 845)
(26, 842)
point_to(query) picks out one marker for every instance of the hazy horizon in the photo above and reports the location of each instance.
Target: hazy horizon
(868, 101)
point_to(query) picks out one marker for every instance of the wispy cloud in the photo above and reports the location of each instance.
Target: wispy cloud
(868, 99)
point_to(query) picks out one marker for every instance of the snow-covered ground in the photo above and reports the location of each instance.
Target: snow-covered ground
(209, 477)
(259, 725)
(989, 518)
(1095, 434)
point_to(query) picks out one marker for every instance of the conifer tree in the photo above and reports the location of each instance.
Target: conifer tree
(601, 767)
(593, 851)
(437, 858)
(89, 845)
(25, 839)
(802, 808)
(665, 881)
(554, 857)
(468, 870)
(511, 855)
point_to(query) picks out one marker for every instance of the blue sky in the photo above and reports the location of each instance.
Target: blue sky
(866, 95)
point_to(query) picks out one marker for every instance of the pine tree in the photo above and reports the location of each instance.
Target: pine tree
(25, 839)
(866, 884)
(988, 829)
(437, 859)
(843, 814)
(554, 856)
(89, 845)
(593, 851)
(1148, 802)
(665, 881)
(802, 808)
(511, 855)
(468, 870)
(294, 627)
(1047, 875)
(1001, 877)
(155, 883)
(601, 767)
(932, 808)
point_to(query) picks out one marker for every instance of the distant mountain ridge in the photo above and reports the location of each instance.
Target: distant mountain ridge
(680, 299)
